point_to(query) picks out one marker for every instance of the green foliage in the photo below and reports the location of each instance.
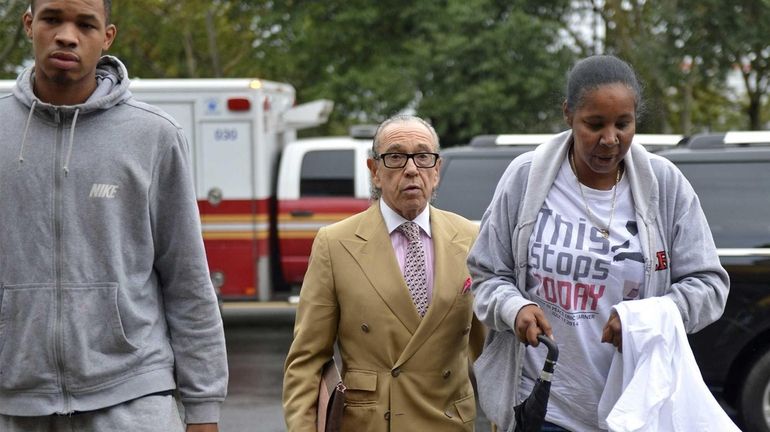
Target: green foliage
(733, 37)
(492, 68)
(361, 54)
(13, 42)
(190, 39)
(636, 32)
(470, 66)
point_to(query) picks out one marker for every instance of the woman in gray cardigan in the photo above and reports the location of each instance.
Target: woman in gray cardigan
(585, 221)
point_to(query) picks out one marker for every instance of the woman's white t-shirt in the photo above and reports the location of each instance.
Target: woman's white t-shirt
(576, 276)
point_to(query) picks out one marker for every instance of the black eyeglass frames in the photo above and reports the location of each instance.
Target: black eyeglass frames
(399, 160)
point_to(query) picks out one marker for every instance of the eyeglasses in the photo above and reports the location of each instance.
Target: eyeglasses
(399, 160)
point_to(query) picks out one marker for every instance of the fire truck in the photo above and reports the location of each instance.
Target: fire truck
(262, 193)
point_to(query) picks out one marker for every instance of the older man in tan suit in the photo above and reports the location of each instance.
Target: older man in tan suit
(390, 286)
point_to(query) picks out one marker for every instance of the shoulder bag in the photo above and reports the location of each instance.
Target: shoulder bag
(331, 399)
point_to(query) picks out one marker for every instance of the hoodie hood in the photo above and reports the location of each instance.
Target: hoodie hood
(111, 89)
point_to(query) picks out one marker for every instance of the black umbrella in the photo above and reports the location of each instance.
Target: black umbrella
(530, 414)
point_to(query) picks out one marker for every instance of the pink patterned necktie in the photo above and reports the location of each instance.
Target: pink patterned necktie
(415, 271)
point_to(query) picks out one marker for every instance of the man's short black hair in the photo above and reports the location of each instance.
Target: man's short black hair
(107, 9)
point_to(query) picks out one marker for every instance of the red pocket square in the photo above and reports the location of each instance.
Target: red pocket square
(466, 286)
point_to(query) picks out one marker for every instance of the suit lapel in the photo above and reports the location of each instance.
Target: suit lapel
(373, 251)
(449, 270)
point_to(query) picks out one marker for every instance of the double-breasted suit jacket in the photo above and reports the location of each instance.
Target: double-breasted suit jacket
(402, 372)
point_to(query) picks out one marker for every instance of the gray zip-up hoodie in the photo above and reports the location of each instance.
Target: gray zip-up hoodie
(681, 261)
(105, 294)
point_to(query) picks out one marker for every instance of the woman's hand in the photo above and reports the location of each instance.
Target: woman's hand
(612, 332)
(530, 322)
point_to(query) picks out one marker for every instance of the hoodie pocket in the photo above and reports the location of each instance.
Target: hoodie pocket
(26, 338)
(96, 348)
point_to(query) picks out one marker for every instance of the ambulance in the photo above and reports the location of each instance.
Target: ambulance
(262, 193)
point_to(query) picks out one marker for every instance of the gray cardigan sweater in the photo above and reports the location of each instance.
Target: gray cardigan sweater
(670, 221)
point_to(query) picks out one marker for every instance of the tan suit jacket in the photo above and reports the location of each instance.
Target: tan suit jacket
(402, 373)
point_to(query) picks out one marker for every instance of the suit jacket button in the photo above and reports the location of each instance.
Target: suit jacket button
(448, 414)
(365, 327)
(387, 416)
(446, 373)
(466, 330)
(395, 372)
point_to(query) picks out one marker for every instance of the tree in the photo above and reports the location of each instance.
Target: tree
(190, 39)
(14, 47)
(680, 93)
(359, 53)
(494, 67)
(732, 36)
(684, 51)
(635, 30)
(473, 67)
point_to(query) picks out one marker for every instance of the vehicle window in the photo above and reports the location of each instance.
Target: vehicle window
(468, 183)
(328, 173)
(734, 197)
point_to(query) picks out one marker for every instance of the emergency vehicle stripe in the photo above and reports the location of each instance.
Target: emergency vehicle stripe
(235, 218)
(246, 227)
(232, 218)
(234, 235)
(298, 235)
(303, 226)
(316, 217)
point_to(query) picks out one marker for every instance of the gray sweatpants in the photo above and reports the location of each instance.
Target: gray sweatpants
(147, 414)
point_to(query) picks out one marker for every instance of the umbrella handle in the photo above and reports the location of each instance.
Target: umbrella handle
(553, 352)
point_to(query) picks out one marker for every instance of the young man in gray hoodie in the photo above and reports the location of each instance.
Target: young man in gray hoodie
(106, 305)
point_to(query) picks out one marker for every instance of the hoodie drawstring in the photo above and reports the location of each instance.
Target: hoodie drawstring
(26, 129)
(72, 139)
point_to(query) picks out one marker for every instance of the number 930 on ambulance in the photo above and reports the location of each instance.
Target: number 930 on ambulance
(262, 193)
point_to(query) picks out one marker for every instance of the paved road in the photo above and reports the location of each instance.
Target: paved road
(257, 342)
(258, 339)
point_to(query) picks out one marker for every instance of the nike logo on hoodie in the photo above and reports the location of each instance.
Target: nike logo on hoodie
(99, 190)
